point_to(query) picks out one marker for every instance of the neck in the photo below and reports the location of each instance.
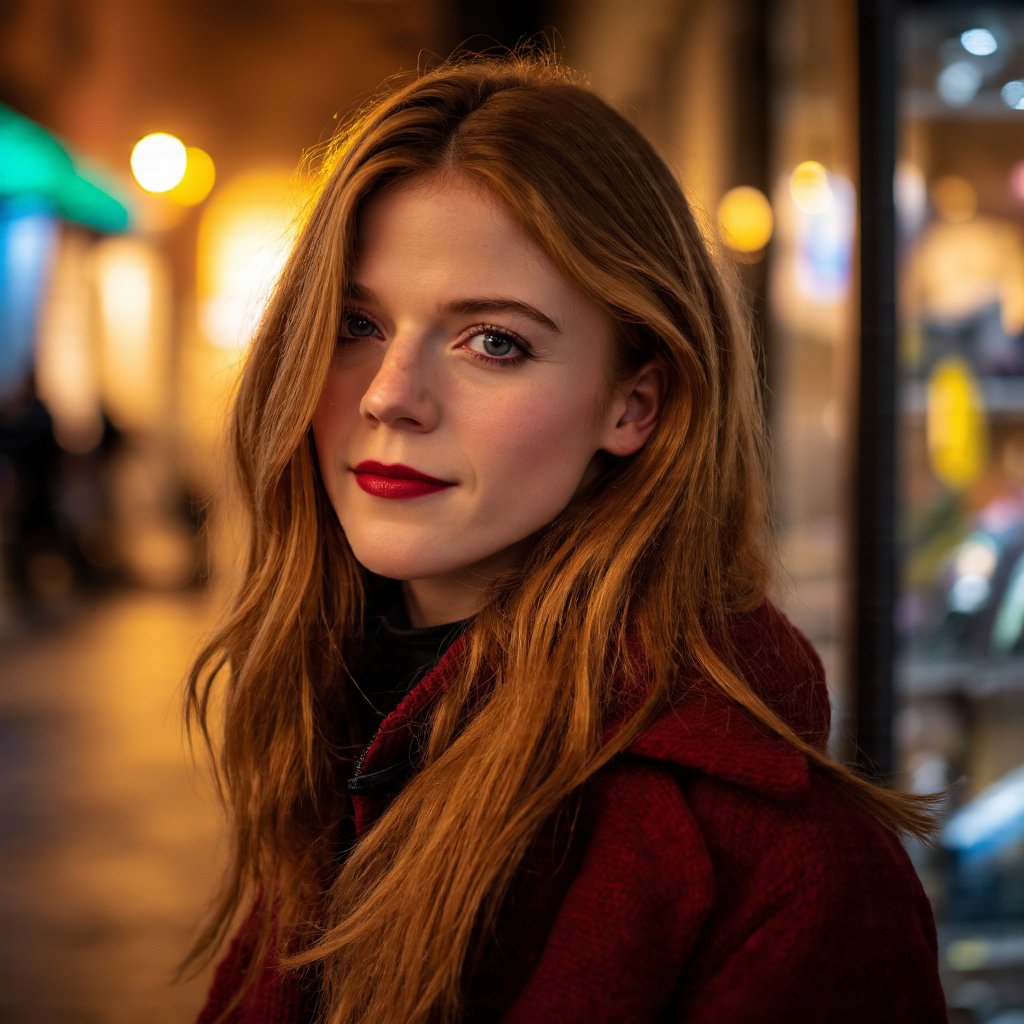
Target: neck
(436, 602)
(458, 595)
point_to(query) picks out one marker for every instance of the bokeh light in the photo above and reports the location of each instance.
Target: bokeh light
(977, 557)
(955, 198)
(956, 426)
(1017, 179)
(809, 186)
(28, 242)
(245, 234)
(134, 327)
(745, 220)
(35, 164)
(197, 181)
(911, 194)
(1013, 94)
(959, 83)
(825, 205)
(979, 42)
(66, 371)
(158, 161)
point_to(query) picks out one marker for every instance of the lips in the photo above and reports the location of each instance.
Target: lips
(396, 481)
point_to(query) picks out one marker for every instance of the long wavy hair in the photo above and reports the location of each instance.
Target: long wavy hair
(655, 557)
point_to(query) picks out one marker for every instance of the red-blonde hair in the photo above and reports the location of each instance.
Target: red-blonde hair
(654, 557)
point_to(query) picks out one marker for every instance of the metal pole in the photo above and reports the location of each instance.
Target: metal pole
(874, 533)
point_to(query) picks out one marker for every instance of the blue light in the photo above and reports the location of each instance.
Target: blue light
(1013, 94)
(27, 239)
(969, 594)
(825, 245)
(979, 42)
(959, 83)
(995, 816)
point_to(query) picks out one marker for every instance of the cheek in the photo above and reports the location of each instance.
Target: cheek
(541, 439)
(338, 405)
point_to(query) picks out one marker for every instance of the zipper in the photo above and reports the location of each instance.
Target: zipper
(358, 770)
(415, 681)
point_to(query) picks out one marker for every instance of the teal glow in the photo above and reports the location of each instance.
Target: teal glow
(35, 166)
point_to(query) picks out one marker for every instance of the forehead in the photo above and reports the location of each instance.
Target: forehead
(454, 231)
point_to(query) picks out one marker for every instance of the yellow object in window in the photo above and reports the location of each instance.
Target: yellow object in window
(956, 425)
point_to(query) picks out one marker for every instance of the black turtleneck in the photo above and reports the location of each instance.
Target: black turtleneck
(396, 656)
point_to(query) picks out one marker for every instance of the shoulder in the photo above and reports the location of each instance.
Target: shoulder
(707, 732)
(720, 862)
(779, 831)
(694, 895)
(722, 890)
(792, 837)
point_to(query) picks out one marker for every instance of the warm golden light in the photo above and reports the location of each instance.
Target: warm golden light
(245, 234)
(158, 161)
(66, 366)
(197, 182)
(134, 332)
(954, 198)
(809, 186)
(745, 219)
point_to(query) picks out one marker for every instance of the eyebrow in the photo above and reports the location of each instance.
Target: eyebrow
(498, 304)
(503, 305)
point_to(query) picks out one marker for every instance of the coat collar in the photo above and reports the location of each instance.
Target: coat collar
(712, 736)
(706, 731)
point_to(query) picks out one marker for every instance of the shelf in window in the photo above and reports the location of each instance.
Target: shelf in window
(918, 677)
(1001, 396)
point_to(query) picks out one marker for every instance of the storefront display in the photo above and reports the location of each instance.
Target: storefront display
(961, 610)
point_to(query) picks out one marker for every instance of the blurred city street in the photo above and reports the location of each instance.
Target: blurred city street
(856, 166)
(108, 838)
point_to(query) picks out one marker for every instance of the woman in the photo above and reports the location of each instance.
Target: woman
(511, 732)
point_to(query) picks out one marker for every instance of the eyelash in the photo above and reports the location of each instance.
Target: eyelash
(356, 314)
(505, 335)
(524, 350)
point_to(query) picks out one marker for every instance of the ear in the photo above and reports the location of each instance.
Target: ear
(633, 412)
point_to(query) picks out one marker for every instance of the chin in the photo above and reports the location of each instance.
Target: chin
(393, 563)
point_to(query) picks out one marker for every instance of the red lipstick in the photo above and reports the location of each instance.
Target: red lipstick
(396, 481)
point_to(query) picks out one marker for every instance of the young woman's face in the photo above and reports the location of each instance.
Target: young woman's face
(467, 397)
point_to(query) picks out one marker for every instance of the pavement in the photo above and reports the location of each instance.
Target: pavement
(110, 841)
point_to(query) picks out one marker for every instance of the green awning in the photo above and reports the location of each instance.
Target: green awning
(35, 166)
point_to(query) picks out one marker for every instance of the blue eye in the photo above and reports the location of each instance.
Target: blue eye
(356, 325)
(496, 345)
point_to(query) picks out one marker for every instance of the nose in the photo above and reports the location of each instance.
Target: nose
(400, 393)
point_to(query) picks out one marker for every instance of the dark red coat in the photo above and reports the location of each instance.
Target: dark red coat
(711, 877)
